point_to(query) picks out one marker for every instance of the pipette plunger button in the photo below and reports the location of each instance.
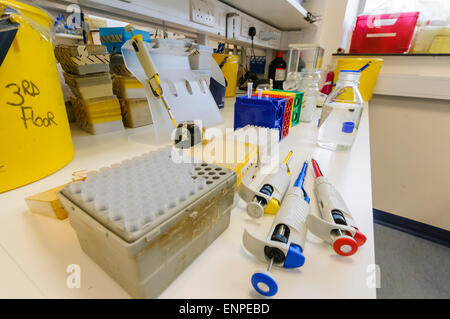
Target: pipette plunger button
(345, 246)
(264, 283)
(255, 209)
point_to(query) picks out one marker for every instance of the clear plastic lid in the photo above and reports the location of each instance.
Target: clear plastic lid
(311, 73)
(349, 75)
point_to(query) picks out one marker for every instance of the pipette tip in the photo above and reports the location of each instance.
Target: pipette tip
(288, 157)
(316, 168)
(301, 177)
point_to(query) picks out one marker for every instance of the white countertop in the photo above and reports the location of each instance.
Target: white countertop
(35, 250)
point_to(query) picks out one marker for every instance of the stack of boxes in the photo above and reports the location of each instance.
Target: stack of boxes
(86, 72)
(131, 92)
(114, 38)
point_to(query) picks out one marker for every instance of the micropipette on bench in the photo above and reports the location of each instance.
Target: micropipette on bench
(271, 191)
(336, 225)
(285, 241)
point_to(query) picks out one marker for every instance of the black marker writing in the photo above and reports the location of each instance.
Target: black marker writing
(28, 115)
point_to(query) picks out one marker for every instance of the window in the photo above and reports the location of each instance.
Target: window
(430, 10)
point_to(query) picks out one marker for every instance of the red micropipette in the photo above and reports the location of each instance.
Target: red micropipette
(334, 211)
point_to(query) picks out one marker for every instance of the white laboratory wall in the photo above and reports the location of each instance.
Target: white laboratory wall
(410, 158)
(330, 28)
(410, 138)
(327, 33)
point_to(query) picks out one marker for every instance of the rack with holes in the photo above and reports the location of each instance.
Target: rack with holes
(263, 112)
(288, 107)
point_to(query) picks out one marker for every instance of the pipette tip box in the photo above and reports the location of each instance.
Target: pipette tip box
(89, 86)
(128, 87)
(113, 38)
(146, 219)
(99, 115)
(82, 59)
(135, 112)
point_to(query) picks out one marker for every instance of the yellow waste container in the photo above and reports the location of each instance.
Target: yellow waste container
(35, 138)
(229, 64)
(368, 76)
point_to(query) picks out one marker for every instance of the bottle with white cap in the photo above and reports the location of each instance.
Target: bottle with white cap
(341, 113)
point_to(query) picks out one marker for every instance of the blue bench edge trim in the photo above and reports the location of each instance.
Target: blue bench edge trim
(418, 229)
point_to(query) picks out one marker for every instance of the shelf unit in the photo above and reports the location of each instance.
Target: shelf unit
(176, 15)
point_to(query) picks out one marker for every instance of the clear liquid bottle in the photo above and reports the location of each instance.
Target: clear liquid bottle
(341, 113)
(310, 85)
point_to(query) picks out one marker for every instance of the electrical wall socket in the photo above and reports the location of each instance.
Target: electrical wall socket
(202, 11)
(245, 25)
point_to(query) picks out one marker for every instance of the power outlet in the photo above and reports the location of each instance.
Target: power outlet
(202, 11)
(245, 26)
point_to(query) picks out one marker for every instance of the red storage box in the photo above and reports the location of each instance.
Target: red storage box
(384, 33)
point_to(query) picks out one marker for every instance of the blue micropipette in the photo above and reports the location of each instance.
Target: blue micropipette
(285, 240)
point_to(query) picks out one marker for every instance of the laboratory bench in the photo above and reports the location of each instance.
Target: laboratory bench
(37, 253)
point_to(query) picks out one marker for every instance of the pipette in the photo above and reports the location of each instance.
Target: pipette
(271, 192)
(188, 133)
(150, 71)
(285, 241)
(336, 225)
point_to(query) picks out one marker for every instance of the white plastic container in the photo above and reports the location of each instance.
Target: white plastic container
(341, 113)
